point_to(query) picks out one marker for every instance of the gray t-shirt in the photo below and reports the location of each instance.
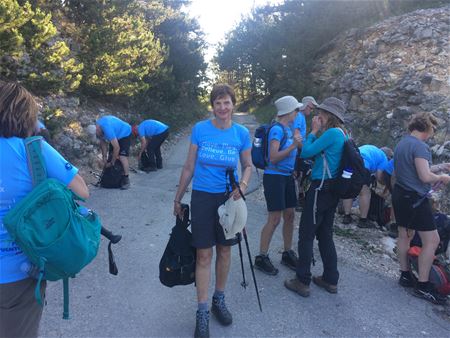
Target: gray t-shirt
(408, 149)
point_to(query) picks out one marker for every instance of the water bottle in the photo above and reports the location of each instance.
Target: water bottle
(83, 210)
(347, 173)
(30, 269)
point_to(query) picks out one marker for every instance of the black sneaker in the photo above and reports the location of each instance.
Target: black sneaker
(347, 219)
(219, 309)
(264, 264)
(430, 295)
(125, 184)
(202, 324)
(393, 230)
(290, 259)
(407, 281)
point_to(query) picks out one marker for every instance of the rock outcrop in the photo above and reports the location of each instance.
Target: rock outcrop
(390, 71)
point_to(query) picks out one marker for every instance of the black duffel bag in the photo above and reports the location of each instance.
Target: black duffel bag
(111, 176)
(177, 265)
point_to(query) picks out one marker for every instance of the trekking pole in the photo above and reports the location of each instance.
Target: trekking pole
(243, 283)
(234, 184)
(251, 268)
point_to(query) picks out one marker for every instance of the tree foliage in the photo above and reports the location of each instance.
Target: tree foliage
(271, 51)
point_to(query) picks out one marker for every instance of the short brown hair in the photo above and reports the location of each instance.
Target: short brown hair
(18, 111)
(422, 122)
(221, 90)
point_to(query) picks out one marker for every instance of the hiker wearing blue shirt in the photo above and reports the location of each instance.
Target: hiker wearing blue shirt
(216, 145)
(279, 185)
(20, 313)
(375, 161)
(302, 166)
(152, 134)
(112, 130)
(320, 204)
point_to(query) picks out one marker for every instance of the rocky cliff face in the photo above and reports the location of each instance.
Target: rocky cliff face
(388, 72)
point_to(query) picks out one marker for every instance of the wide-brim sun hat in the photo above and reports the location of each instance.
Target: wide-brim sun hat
(232, 217)
(309, 99)
(334, 106)
(287, 104)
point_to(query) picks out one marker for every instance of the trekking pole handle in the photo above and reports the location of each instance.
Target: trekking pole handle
(233, 182)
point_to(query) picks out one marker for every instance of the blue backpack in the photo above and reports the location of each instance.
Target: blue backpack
(49, 227)
(260, 146)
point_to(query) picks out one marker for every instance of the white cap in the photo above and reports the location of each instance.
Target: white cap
(287, 104)
(232, 217)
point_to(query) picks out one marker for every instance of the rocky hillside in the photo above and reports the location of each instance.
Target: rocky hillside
(390, 71)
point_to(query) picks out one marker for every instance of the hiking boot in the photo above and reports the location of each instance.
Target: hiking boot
(264, 264)
(125, 184)
(318, 280)
(347, 219)
(219, 309)
(290, 259)
(407, 281)
(365, 223)
(431, 295)
(202, 324)
(295, 285)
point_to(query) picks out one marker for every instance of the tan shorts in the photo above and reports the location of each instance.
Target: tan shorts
(20, 313)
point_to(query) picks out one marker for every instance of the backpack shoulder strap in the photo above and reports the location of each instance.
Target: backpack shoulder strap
(36, 164)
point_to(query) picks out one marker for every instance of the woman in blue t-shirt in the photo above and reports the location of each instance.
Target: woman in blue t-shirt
(216, 145)
(20, 313)
(279, 185)
(320, 204)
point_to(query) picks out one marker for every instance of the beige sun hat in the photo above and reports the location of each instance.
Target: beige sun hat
(287, 104)
(335, 107)
(232, 217)
(308, 99)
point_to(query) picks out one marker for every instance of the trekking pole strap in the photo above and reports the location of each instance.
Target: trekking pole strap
(66, 298)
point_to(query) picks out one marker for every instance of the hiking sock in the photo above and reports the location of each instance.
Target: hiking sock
(424, 286)
(219, 294)
(202, 307)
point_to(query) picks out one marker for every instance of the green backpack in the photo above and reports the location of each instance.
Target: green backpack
(49, 228)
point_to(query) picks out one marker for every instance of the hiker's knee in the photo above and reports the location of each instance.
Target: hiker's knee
(274, 218)
(204, 256)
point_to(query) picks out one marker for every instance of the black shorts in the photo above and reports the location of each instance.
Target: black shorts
(206, 229)
(408, 215)
(279, 191)
(124, 145)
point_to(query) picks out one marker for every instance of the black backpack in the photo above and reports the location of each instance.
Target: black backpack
(349, 187)
(443, 227)
(177, 265)
(145, 162)
(378, 210)
(111, 177)
(260, 146)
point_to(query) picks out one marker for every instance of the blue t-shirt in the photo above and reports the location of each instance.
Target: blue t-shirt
(217, 150)
(15, 184)
(374, 158)
(332, 143)
(300, 124)
(389, 167)
(286, 165)
(149, 128)
(113, 127)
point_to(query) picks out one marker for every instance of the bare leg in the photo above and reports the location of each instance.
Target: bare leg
(223, 260)
(268, 230)
(126, 166)
(203, 273)
(288, 228)
(430, 242)
(404, 238)
(364, 201)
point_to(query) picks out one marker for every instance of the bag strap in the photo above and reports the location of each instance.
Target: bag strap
(36, 164)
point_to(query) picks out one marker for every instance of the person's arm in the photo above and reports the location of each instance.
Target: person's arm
(116, 150)
(185, 179)
(276, 155)
(143, 145)
(437, 168)
(246, 168)
(78, 186)
(313, 145)
(103, 148)
(425, 174)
